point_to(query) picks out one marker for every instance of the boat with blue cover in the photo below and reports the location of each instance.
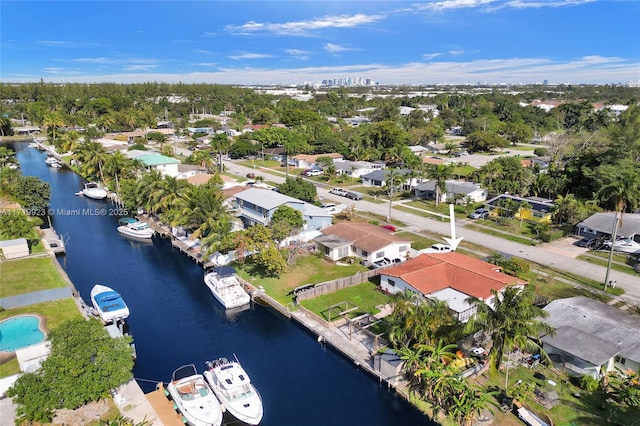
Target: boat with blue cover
(108, 304)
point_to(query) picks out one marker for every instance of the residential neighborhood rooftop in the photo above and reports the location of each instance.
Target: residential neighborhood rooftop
(364, 235)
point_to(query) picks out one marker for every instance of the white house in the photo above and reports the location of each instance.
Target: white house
(305, 160)
(592, 336)
(356, 169)
(361, 239)
(452, 277)
(454, 190)
(168, 166)
(13, 249)
(601, 225)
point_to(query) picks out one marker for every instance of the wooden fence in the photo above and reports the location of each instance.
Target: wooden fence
(335, 285)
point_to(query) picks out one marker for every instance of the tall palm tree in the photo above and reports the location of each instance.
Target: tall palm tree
(512, 321)
(220, 143)
(200, 210)
(52, 121)
(393, 180)
(440, 173)
(118, 165)
(623, 191)
(91, 156)
(167, 197)
(6, 156)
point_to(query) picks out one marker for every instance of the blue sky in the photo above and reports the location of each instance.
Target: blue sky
(278, 42)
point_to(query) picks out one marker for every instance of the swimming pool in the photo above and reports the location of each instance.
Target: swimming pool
(19, 332)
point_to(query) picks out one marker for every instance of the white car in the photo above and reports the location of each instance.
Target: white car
(338, 191)
(314, 172)
(438, 248)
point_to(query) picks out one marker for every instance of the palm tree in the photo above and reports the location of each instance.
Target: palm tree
(220, 143)
(167, 196)
(201, 210)
(440, 173)
(119, 165)
(6, 156)
(393, 180)
(52, 121)
(203, 159)
(512, 321)
(91, 156)
(623, 191)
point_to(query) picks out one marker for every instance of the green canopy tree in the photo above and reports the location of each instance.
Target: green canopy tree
(85, 363)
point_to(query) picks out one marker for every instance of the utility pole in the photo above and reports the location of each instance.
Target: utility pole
(613, 240)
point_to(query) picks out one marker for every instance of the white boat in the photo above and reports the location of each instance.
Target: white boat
(135, 228)
(234, 389)
(108, 304)
(55, 165)
(623, 245)
(51, 159)
(93, 190)
(194, 397)
(226, 288)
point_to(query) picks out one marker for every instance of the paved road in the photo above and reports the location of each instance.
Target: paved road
(536, 254)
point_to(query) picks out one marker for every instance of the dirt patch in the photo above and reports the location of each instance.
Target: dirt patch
(83, 415)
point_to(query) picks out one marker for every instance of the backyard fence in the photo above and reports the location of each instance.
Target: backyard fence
(335, 285)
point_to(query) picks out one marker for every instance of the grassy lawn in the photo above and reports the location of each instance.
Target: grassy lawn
(619, 263)
(502, 233)
(307, 270)
(364, 296)
(27, 275)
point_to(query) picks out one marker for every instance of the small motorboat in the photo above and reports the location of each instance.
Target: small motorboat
(135, 228)
(108, 304)
(193, 397)
(623, 245)
(234, 389)
(226, 288)
(51, 160)
(95, 191)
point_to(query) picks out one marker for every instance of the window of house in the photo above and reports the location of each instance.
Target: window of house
(392, 283)
(365, 253)
(620, 360)
(379, 255)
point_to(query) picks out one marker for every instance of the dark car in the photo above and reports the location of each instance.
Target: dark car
(586, 242)
(251, 175)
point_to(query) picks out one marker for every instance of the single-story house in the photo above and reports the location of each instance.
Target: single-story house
(306, 160)
(26, 130)
(539, 209)
(188, 170)
(13, 249)
(379, 177)
(592, 336)
(452, 277)
(601, 225)
(276, 154)
(455, 189)
(369, 242)
(257, 206)
(356, 169)
(168, 166)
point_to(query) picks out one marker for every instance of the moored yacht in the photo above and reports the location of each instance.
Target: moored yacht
(135, 228)
(194, 398)
(231, 384)
(95, 191)
(226, 288)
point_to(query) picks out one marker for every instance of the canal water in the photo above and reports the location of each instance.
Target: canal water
(175, 320)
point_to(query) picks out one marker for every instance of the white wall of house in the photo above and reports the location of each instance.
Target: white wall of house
(168, 169)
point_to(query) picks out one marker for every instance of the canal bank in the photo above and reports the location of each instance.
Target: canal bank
(175, 321)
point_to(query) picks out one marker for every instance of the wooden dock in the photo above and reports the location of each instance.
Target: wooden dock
(164, 407)
(189, 247)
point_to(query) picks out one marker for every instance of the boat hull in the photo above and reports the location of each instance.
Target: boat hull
(96, 194)
(145, 234)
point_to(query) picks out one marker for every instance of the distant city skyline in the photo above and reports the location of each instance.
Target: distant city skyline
(291, 43)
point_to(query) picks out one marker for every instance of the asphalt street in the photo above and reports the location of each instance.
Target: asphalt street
(535, 254)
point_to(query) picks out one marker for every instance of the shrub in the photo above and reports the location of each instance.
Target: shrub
(540, 152)
(588, 383)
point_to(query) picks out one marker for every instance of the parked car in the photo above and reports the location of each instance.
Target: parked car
(438, 248)
(251, 175)
(479, 214)
(353, 195)
(586, 242)
(382, 262)
(389, 227)
(338, 191)
(313, 172)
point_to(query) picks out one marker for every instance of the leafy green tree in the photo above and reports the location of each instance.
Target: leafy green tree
(513, 320)
(518, 133)
(16, 224)
(485, 141)
(7, 156)
(85, 363)
(285, 220)
(299, 188)
(5, 126)
(52, 121)
(31, 192)
(271, 260)
(91, 156)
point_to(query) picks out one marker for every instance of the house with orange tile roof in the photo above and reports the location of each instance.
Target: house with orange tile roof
(361, 239)
(452, 277)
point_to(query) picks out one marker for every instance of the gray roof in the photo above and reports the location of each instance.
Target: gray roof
(13, 243)
(381, 175)
(453, 186)
(265, 198)
(538, 204)
(607, 328)
(582, 345)
(349, 165)
(603, 222)
(332, 241)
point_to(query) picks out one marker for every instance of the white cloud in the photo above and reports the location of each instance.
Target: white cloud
(65, 44)
(250, 56)
(301, 28)
(336, 48)
(430, 56)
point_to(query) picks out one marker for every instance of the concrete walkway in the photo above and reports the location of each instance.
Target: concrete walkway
(32, 298)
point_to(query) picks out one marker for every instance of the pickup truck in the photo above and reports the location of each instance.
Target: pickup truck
(338, 191)
(437, 248)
